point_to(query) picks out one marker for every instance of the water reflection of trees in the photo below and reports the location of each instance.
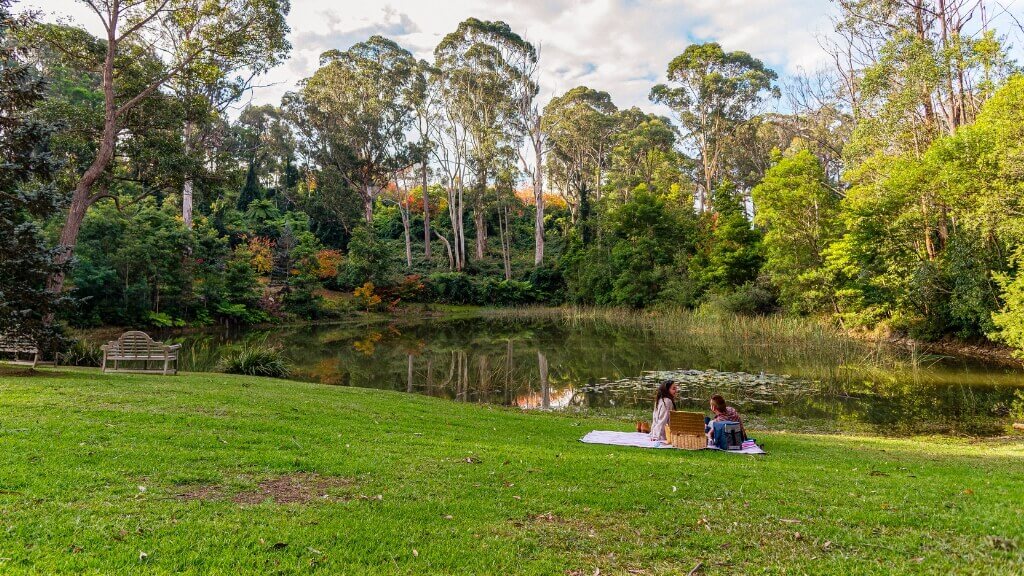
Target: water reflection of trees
(545, 364)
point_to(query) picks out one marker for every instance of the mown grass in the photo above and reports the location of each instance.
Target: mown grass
(92, 468)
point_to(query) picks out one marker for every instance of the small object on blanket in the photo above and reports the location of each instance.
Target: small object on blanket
(751, 448)
(643, 427)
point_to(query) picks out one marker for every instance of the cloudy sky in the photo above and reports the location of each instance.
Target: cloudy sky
(621, 46)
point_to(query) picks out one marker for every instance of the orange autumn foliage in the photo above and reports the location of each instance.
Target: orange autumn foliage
(328, 263)
(262, 250)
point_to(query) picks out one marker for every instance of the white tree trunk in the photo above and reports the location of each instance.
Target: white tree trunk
(538, 195)
(186, 203)
(408, 236)
(186, 189)
(426, 214)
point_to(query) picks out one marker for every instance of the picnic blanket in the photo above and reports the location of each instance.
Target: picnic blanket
(643, 440)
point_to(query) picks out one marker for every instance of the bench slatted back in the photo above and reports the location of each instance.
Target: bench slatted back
(12, 343)
(136, 344)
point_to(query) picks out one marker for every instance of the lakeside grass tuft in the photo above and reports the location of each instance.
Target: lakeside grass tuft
(93, 468)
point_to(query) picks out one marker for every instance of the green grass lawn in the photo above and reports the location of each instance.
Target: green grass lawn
(147, 474)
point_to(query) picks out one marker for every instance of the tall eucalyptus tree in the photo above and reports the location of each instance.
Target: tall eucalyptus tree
(480, 67)
(355, 112)
(713, 92)
(579, 125)
(527, 119)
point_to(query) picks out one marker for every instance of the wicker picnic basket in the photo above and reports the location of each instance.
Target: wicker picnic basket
(686, 430)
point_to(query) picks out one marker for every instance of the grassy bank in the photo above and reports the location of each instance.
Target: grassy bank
(216, 474)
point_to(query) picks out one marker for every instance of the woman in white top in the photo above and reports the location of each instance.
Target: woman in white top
(664, 402)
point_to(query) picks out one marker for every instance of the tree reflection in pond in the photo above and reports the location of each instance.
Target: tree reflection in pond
(549, 365)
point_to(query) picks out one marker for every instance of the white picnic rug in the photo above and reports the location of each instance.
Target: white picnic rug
(643, 440)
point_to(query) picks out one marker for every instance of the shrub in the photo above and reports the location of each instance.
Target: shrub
(164, 320)
(242, 314)
(255, 359)
(369, 260)
(548, 283)
(410, 289)
(82, 353)
(365, 298)
(751, 299)
(1017, 408)
(496, 292)
(452, 288)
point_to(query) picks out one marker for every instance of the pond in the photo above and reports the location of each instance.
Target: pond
(613, 370)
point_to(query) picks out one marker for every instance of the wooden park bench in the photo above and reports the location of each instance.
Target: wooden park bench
(19, 346)
(136, 347)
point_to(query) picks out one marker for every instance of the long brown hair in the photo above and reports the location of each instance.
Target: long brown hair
(664, 392)
(719, 403)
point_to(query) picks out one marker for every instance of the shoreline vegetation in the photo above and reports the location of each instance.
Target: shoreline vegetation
(121, 473)
(717, 323)
(697, 322)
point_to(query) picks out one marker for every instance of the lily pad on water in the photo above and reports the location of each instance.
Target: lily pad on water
(762, 388)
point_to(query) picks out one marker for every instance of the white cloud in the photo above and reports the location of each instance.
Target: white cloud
(621, 46)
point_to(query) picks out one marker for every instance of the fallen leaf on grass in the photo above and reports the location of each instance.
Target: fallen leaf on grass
(415, 553)
(143, 556)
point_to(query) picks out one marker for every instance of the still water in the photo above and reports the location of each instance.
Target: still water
(547, 364)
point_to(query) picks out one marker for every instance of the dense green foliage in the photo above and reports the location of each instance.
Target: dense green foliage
(255, 359)
(27, 195)
(121, 474)
(886, 197)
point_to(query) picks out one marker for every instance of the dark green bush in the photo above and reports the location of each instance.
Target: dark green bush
(498, 292)
(370, 259)
(82, 353)
(452, 288)
(751, 299)
(255, 359)
(548, 283)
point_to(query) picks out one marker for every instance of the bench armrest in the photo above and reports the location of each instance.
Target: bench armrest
(173, 347)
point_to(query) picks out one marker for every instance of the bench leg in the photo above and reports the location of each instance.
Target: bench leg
(165, 365)
(103, 368)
